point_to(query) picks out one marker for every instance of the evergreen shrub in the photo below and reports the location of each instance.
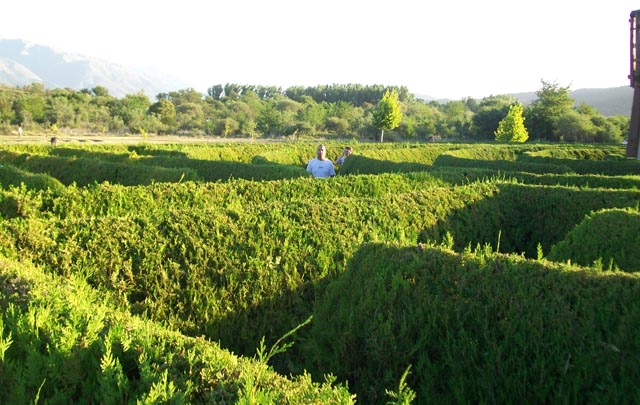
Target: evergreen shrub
(64, 342)
(518, 217)
(588, 165)
(13, 176)
(501, 165)
(606, 237)
(479, 327)
(85, 171)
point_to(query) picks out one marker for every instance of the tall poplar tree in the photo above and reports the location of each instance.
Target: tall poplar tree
(511, 128)
(387, 114)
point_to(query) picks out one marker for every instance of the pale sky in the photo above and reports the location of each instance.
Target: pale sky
(445, 49)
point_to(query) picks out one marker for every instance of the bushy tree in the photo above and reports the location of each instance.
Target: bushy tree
(591, 126)
(132, 109)
(544, 113)
(345, 110)
(59, 111)
(458, 118)
(269, 121)
(576, 127)
(489, 112)
(511, 128)
(189, 116)
(165, 110)
(387, 115)
(312, 113)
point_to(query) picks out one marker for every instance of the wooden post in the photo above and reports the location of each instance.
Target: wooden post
(634, 78)
(634, 125)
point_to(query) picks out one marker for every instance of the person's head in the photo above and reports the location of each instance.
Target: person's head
(322, 152)
(347, 151)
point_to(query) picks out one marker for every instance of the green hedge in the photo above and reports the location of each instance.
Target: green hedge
(13, 176)
(502, 165)
(479, 328)
(215, 259)
(609, 237)
(240, 260)
(210, 170)
(518, 217)
(63, 342)
(365, 165)
(85, 171)
(573, 180)
(609, 167)
(569, 151)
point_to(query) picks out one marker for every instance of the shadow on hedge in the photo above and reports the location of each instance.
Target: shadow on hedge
(478, 327)
(518, 217)
(94, 168)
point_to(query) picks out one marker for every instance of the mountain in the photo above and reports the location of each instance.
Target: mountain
(22, 63)
(608, 101)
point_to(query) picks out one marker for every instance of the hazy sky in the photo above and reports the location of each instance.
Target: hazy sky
(446, 48)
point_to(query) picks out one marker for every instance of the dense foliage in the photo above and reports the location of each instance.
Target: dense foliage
(62, 341)
(603, 237)
(512, 128)
(480, 327)
(335, 111)
(387, 114)
(236, 243)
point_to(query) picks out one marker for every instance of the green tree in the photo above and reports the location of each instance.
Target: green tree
(458, 118)
(165, 110)
(490, 111)
(7, 115)
(420, 120)
(338, 126)
(544, 113)
(242, 113)
(185, 96)
(60, 111)
(132, 110)
(100, 91)
(227, 126)
(216, 91)
(576, 127)
(620, 125)
(190, 117)
(387, 114)
(287, 108)
(269, 121)
(511, 128)
(93, 118)
(30, 108)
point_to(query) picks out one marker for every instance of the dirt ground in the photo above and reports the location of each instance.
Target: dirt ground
(113, 139)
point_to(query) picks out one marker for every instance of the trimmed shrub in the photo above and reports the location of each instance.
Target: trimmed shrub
(64, 342)
(594, 165)
(479, 328)
(606, 238)
(501, 165)
(85, 171)
(12, 176)
(519, 217)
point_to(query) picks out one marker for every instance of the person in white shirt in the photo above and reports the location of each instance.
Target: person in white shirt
(320, 166)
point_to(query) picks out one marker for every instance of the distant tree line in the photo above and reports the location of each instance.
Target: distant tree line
(339, 111)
